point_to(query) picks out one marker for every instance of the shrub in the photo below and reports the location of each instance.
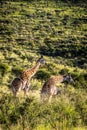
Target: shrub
(43, 74)
(4, 68)
(81, 106)
(17, 70)
(81, 82)
(64, 71)
(51, 69)
(29, 113)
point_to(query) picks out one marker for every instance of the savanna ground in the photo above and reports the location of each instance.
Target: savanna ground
(57, 30)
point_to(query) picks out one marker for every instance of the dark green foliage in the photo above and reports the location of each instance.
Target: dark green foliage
(81, 82)
(47, 50)
(81, 107)
(45, 31)
(66, 51)
(72, 1)
(4, 68)
(30, 113)
(43, 74)
(17, 70)
(64, 71)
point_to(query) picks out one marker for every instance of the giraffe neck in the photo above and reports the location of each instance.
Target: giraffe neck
(28, 74)
(35, 69)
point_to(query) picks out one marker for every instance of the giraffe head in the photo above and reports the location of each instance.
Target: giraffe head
(41, 60)
(68, 79)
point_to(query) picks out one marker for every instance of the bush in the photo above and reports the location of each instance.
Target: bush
(29, 113)
(43, 74)
(4, 68)
(81, 106)
(17, 70)
(64, 71)
(81, 82)
(14, 113)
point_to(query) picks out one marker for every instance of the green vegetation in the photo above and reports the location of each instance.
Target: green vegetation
(29, 114)
(56, 29)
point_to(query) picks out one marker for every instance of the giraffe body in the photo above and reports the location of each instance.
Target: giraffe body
(18, 84)
(50, 87)
(22, 82)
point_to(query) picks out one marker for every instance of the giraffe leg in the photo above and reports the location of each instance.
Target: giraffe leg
(16, 86)
(26, 89)
(14, 94)
(14, 91)
(51, 93)
(50, 98)
(43, 97)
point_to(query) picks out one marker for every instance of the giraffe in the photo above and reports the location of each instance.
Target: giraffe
(49, 88)
(22, 82)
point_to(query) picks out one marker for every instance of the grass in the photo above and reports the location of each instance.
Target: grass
(55, 30)
(48, 128)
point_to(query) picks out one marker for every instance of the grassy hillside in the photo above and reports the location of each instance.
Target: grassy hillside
(58, 31)
(46, 28)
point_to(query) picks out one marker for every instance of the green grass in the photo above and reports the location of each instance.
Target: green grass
(57, 31)
(48, 128)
